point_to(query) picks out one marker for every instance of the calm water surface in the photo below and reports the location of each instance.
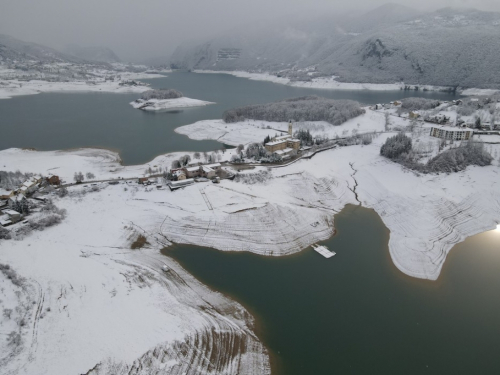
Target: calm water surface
(356, 313)
(54, 121)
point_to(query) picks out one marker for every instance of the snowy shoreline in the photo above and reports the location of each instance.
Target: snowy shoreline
(104, 281)
(158, 105)
(14, 87)
(329, 83)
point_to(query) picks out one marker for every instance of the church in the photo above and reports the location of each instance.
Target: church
(284, 145)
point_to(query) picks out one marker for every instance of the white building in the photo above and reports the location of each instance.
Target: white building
(451, 133)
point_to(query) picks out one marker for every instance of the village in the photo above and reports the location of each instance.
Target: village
(442, 121)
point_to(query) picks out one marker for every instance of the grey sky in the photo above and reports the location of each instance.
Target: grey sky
(145, 28)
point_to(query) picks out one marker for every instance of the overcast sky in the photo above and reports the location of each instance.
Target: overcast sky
(147, 28)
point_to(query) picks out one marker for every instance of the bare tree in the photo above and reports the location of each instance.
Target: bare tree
(78, 177)
(387, 121)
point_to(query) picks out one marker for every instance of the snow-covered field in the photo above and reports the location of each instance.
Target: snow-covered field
(167, 104)
(328, 83)
(11, 88)
(250, 131)
(87, 301)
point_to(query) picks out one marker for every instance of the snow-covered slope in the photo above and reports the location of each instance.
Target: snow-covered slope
(449, 47)
(15, 50)
(88, 304)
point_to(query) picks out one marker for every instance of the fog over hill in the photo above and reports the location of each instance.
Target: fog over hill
(448, 47)
(94, 53)
(12, 49)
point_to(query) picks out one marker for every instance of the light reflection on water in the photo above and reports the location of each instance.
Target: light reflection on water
(356, 313)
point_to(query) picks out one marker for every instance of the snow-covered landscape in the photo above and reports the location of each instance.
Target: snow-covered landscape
(87, 285)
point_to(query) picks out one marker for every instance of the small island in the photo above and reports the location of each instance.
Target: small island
(164, 100)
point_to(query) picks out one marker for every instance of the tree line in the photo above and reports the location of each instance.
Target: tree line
(307, 108)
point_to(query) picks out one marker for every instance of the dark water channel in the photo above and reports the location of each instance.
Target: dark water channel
(53, 121)
(356, 313)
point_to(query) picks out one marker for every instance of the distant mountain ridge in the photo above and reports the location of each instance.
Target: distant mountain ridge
(12, 49)
(93, 53)
(449, 47)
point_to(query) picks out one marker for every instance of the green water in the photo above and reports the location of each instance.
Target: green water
(54, 121)
(356, 313)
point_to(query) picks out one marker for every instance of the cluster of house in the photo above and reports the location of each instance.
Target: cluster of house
(193, 171)
(15, 204)
(284, 146)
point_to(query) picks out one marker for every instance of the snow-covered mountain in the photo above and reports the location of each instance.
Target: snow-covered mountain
(449, 47)
(15, 50)
(100, 54)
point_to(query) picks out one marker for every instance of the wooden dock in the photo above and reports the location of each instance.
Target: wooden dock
(323, 251)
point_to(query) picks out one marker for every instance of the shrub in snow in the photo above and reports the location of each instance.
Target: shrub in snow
(11, 274)
(14, 339)
(307, 108)
(253, 178)
(161, 94)
(395, 146)
(4, 234)
(256, 151)
(62, 192)
(304, 136)
(457, 159)
(415, 104)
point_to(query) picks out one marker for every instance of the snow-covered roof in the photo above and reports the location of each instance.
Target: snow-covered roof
(284, 151)
(182, 182)
(214, 165)
(207, 169)
(11, 212)
(451, 128)
(273, 143)
(17, 198)
(192, 169)
(4, 222)
(280, 138)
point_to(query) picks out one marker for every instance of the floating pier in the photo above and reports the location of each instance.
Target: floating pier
(323, 251)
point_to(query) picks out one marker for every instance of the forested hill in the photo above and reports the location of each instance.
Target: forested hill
(449, 47)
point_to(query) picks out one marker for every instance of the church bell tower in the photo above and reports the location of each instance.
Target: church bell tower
(290, 128)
